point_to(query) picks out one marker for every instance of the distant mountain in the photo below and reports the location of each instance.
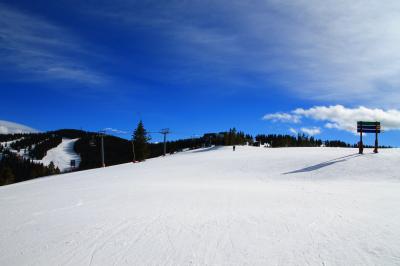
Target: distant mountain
(7, 127)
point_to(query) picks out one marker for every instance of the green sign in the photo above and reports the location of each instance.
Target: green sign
(365, 123)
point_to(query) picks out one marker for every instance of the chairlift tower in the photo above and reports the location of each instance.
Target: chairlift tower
(165, 132)
(102, 134)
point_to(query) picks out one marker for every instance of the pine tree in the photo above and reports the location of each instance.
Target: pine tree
(52, 168)
(57, 171)
(232, 136)
(140, 140)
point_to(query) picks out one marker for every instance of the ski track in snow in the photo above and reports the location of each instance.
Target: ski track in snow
(254, 206)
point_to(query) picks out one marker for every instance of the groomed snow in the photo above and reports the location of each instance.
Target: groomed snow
(254, 206)
(62, 155)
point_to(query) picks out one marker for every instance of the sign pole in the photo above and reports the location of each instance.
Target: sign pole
(361, 145)
(368, 127)
(376, 139)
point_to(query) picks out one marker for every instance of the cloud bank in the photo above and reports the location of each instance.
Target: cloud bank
(311, 131)
(7, 127)
(41, 50)
(340, 51)
(282, 117)
(331, 51)
(342, 118)
(116, 131)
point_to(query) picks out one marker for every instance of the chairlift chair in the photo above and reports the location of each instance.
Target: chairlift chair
(92, 142)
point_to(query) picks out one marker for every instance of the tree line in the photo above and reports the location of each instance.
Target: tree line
(144, 149)
(301, 140)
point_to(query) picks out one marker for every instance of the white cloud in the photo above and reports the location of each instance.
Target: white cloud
(342, 118)
(282, 117)
(311, 131)
(7, 127)
(114, 130)
(42, 51)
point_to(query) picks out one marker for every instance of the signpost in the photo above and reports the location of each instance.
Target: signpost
(73, 165)
(368, 127)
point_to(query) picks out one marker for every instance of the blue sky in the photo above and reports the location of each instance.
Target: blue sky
(201, 66)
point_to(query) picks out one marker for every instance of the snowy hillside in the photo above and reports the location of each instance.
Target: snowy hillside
(7, 127)
(62, 155)
(254, 206)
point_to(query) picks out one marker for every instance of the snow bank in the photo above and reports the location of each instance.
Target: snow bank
(254, 206)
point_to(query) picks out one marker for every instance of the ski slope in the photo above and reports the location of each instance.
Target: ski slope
(254, 206)
(8, 143)
(62, 155)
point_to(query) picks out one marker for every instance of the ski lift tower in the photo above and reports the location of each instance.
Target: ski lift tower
(165, 132)
(101, 135)
(92, 143)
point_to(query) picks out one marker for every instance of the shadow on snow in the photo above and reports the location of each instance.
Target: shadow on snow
(207, 149)
(324, 164)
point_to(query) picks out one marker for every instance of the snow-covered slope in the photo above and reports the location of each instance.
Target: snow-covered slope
(254, 206)
(8, 143)
(7, 127)
(62, 155)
